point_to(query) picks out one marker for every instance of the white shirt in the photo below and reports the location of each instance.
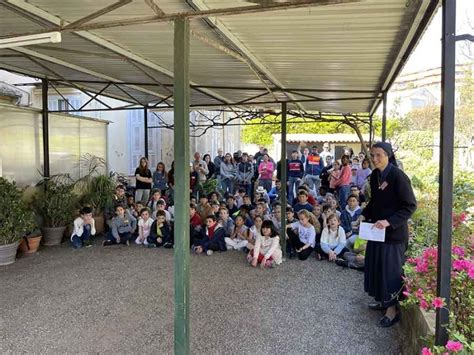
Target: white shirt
(146, 226)
(79, 227)
(307, 234)
(333, 237)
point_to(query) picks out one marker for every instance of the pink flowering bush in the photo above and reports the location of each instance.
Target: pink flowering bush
(421, 280)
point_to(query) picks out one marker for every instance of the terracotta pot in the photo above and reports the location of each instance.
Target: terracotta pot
(33, 244)
(52, 236)
(8, 253)
(99, 224)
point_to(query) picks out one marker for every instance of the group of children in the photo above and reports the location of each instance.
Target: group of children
(236, 222)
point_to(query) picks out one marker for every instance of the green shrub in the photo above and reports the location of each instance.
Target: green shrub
(15, 217)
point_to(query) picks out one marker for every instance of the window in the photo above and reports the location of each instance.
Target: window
(63, 105)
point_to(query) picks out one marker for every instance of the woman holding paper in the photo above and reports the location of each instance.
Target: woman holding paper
(391, 205)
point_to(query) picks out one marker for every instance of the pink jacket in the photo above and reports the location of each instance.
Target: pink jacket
(346, 176)
(266, 174)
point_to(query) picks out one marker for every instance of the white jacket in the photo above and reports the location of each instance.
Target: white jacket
(79, 227)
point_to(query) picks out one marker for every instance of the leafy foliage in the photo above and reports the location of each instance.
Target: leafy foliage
(15, 217)
(55, 202)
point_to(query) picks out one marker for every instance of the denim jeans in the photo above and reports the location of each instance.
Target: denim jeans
(77, 241)
(344, 192)
(228, 185)
(313, 181)
(293, 184)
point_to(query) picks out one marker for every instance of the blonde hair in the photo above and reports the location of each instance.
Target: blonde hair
(312, 219)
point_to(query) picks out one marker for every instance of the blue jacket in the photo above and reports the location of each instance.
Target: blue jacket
(218, 238)
(295, 168)
(314, 165)
(347, 219)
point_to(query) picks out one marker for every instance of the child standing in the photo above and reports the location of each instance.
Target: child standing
(144, 226)
(123, 226)
(84, 228)
(267, 249)
(238, 239)
(333, 240)
(302, 234)
(160, 233)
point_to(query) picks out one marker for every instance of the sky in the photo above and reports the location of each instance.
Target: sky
(427, 54)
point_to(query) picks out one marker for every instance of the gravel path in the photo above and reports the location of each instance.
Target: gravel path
(120, 300)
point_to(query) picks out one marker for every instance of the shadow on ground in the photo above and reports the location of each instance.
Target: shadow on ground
(120, 300)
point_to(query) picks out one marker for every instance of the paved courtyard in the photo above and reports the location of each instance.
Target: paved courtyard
(120, 300)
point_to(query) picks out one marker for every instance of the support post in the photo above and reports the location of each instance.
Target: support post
(283, 179)
(45, 121)
(145, 124)
(384, 117)
(446, 158)
(181, 193)
(371, 129)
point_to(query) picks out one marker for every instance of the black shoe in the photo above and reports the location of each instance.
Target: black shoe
(376, 306)
(386, 322)
(107, 243)
(168, 245)
(342, 262)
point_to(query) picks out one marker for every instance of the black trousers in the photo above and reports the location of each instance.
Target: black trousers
(295, 242)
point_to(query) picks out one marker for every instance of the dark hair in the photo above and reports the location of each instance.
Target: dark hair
(146, 209)
(326, 207)
(160, 202)
(345, 158)
(116, 207)
(302, 192)
(163, 164)
(141, 169)
(211, 216)
(192, 205)
(352, 196)
(241, 190)
(160, 213)
(86, 210)
(121, 187)
(270, 225)
(289, 209)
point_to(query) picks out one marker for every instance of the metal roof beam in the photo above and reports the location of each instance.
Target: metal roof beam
(56, 21)
(81, 69)
(99, 13)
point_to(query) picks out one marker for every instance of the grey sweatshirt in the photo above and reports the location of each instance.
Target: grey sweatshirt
(127, 224)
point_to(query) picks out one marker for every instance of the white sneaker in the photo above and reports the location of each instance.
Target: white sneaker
(209, 252)
(138, 241)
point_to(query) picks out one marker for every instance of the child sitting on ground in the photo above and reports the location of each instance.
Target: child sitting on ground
(238, 239)
(254, 232)
(195, 224)
(302, 234)
(333, 240)
(160, 234)
(123, 226)
(84, 228)
(267, 250)
(349, 219)
(144, 226)
(302, 203)
(212, 237)
(354, 259)
(226, 222)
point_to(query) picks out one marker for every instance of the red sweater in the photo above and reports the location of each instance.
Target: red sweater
(345, 177)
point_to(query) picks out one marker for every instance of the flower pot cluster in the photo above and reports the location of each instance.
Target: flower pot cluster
(41, 215)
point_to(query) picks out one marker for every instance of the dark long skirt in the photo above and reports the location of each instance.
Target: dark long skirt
(383, 271)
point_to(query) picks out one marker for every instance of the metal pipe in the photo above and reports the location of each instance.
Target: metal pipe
(446, 158)
(145, 124)
(283, 178)
(45, 122)
(384, 117)
(181, 160)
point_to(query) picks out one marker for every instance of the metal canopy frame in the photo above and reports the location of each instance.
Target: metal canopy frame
(176, 96)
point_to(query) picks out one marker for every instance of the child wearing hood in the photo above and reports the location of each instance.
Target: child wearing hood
(349, 217)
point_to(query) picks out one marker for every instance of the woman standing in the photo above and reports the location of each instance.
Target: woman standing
(144, 181)
(160, 178)
(228, 173)
(266, 169)
(210, 166)
(391, 205)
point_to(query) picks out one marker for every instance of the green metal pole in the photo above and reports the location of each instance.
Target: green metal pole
(181, 193)
(283, 178)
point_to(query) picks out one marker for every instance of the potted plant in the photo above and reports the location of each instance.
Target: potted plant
(94, 188)
(97, 194)
(55, 203)
(30, 243)
(15, 220)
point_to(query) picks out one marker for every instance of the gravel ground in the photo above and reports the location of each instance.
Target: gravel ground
(120, 300)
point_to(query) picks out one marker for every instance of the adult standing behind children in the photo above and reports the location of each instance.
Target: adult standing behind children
(200, 167)
(314, 166)
(391, 204)
(265, 170)
(295, 175)
(144, 181)
(160, 177)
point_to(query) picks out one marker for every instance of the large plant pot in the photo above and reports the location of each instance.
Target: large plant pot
(8, 253)
(52, 236)
(99, 224)
(30, 245)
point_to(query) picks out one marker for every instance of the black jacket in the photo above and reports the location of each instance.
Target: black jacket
(395, 202)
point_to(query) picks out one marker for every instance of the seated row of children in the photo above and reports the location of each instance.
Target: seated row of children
(239, 224)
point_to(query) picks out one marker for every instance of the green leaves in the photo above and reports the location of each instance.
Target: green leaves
(15, 217)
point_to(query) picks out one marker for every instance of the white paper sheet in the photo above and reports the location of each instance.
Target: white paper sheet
(367, 231)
